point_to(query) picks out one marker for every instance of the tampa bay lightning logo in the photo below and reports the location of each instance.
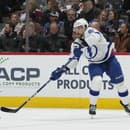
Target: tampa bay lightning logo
(91, 52)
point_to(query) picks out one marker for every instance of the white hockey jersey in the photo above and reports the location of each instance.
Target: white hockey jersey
(98, 50)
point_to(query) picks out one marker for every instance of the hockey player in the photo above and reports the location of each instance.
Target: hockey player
(101, 58)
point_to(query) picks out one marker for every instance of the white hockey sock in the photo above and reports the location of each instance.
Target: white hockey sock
(124, 100)
(93, 99)
(122, 92)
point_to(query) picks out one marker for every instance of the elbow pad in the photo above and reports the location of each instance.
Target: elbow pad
(77, 52)
(77, 48)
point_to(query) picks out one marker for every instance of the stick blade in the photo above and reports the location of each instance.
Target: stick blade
(5, 109)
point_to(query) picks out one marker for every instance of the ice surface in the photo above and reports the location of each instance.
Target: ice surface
(64, 119)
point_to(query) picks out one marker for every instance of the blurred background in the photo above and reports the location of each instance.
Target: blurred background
(46, 25)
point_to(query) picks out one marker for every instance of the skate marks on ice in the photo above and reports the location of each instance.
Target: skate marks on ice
(69, 119)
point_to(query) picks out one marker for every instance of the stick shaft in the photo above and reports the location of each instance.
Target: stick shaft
(5, 109)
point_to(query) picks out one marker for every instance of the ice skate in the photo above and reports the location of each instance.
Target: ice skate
(126, 107)
(92, 110)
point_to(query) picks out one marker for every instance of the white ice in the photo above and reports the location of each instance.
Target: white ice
(64, 119)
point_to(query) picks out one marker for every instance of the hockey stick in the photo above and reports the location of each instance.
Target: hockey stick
(10, 110)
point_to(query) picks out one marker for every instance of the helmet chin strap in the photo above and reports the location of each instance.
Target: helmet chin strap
(82, 38)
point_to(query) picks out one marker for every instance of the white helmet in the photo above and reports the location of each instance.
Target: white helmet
(80, 22)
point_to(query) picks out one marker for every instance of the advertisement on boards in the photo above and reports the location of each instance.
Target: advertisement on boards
(22, 75)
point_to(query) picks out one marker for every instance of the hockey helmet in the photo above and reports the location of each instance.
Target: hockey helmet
(80, 22)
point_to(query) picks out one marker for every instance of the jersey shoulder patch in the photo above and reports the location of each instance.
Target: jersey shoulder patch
(90, 31)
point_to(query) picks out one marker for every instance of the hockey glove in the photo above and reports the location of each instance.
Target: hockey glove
(56, 74)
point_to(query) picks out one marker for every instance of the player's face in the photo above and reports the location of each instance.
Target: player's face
(79, 30)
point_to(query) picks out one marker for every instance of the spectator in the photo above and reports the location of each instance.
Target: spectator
(5, 9)
(9, 40)
(111, 24)
(54, 17)
(122, 40)
(35, 12)
(34, 40)
(103, 16)
(117, 5)
(9, 6)
(126, 8)
(100, 3)
(56, 41)
(68, 23)
(73, 4)
(14, 5)
(51, 5)
(14, 21)
(113, 4)
(89, 11)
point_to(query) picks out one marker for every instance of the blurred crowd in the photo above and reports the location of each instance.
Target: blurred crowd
(51, 23)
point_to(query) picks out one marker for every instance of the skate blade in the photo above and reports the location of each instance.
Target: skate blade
(92, 116)
(128, 113)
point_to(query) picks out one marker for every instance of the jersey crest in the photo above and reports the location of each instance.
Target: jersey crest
(90, 31)
(91, 52)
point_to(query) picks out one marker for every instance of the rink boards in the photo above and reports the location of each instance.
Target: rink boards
(22, 74)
